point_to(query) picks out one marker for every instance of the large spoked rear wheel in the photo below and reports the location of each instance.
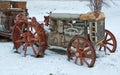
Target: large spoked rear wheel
(109, 43)
(25, 35)
(80, 51)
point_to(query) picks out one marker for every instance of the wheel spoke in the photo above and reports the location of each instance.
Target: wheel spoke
(87, 54)
(85, 61)
(32, 39)
(78, 44)
(81, 61)
(19, 29)
(109, 39)
(20, 41)
(108, 48)
(25, 49)
(25, 46)
(84, 45)
(33, 49)
(39, 51)
(110, 44)
(75, 45)
(105, 48)
(100, 48)
(76, 59)
(106, 36)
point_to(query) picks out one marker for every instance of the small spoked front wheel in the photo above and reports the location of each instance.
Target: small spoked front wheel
(109, 43)
(80, 51)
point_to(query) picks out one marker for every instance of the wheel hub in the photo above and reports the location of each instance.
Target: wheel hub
(104, 42)
(77, 54)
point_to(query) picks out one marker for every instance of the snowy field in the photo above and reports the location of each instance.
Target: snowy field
(56, 64)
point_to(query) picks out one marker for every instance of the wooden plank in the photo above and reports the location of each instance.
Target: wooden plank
(19, 4)
(4, 5)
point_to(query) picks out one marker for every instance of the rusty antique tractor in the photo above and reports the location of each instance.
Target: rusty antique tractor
(82, 35)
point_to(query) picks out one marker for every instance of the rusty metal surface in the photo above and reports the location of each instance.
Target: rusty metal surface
(29, 33)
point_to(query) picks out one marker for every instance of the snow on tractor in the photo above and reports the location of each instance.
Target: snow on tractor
(80, 34)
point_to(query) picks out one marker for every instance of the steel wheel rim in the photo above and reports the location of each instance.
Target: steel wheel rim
(84, 54)
(26, 38)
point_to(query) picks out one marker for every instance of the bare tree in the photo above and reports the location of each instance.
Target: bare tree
(96, 5)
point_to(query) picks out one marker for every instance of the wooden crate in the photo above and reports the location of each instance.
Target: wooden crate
(19, 4)
(4, 5)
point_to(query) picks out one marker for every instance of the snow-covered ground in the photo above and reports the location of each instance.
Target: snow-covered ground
(56, 64)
